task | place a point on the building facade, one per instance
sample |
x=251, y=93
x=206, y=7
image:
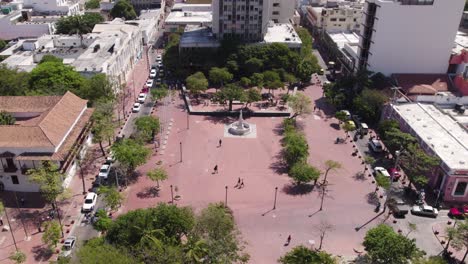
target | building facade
x=248, y=19
x=406, y=36
x=345, y=17
x=46, y=128
x=147, y=4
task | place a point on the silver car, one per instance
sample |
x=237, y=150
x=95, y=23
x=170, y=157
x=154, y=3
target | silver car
x=68, y=246
x=424, y=210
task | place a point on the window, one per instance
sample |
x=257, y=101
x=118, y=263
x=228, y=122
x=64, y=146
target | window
x=275, y=4
x=332, y=19
x=460, y=189
x=229, y=17
x=14, y=179
x=342, y=19
x=275, y=13
x=355, y=19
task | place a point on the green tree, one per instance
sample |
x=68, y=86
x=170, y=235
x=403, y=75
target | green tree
x=219, y=76
x=49, y=179
x=216, y=226
x=98, y=87
x=123, y=9
x=295, y=149
x=78, y=24
x=92, y=4
x=257, y=80
x=195, y=250
x=230, y=93
x=272, y=80
x=245, y=82
x=387, y=125
x=301, y=254
x=130, y=154
x=55, y=78
x=6, y=119
x=18, y=257
x=368, y=105
x=417, y=164
x=51, y=234
x=97, y=251
x=13, y=81
x=232, y=66
x=104, y=221
x=157, y=174
x=302, y=172
x=305, y=69
x=300, y=104
x=395, y=140
x=50, y=58
x=103, y=125
x=382, y=181
x=341, y=115
x=3, y=44
x=331, y=165
x=253, y=95
x=147, y=126
x=253, y=65
x=197, y=83
x=112, y=197
x=430, y=260
x=159, y=93
x=385, y=246
x=289, y=79
x=459, y=237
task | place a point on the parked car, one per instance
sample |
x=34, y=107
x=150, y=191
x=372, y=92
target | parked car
x=104, y=171
x=141, y=98
x=321, y=72
x=394, y=173
x=96, y=185
x=458, y=212
x=158, y=80
x=161, y=72
x=149, y=83
x=424, y=210
x=109, y=158
x=68, y=246
x=159, y=57
x=398, y=207
x=375, y=145
x=153, y=73
x=351, y=124
x=347, y=113
x=89, y=202
x=136, y=107
x=382, y=171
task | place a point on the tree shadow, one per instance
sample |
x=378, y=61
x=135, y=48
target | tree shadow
x=148, y=192
x=133, y=177
x=279, y=166
x=41, y=253
x=295, y=190
x=220, y=120
x=360, y=176
x=325, y=106
x=336, y=126
x=372, y=198
x=278, y=129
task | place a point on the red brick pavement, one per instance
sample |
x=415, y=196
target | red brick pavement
x=345, y=206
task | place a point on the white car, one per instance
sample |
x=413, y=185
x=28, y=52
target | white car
x=159, y=57
x=375, y=145
x=141, y=98
x=381, y=171
x=136, y=107
x=89, y=202
x=104, y=171
x=68, y=246
x=149, y=83
x=424, y=210
x=152, y=73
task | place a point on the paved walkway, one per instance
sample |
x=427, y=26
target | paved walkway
x=255, y=160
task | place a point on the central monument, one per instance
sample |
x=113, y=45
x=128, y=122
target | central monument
x=240, y=127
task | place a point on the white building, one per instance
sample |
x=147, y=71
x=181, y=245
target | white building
x=149, y=22
x=20, y=24
x=112, y=49
x=181, y=7
x=408, y=36
x=249, y=19
x=147, y=4
x=343, y=16
x=177, y=20
x=54, y=7
x=47, y=128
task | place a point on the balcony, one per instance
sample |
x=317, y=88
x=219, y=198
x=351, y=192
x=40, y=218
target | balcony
x=24, y=169
x=10, y=168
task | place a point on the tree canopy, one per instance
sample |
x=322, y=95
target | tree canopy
x=300, y=104
x=197, y=83
x=147, y=126
x=55, y=78
x=368, y=105
x=383, y=245
x=78, y=24
x=97, y=251
x=92, y=4
x=302, y=172
x=6, y=119
x=230, y=93
x=130, y=154
x=123, y=9
x=302, y=254
x=220, y=76
x=49, y=180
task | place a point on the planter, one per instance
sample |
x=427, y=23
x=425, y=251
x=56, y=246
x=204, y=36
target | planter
x=394, y=221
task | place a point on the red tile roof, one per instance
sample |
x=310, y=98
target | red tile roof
x=418, y=84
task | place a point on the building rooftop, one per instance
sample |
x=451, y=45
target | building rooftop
x=191, y=7
x=461, y=42
x=282, y=33
x=343, y=38
x=198, y=36
x=422, y=84
x=149, y=13
x=444, y=135
x=45, y=120
x=180, y=17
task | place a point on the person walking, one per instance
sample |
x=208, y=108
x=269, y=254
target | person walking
x=220, y=143
x=238, y=182
x=215, y=170
x=289, y=240
x=242, y=184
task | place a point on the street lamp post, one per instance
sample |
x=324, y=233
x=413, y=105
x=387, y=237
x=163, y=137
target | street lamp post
x=172, y=195
x=225, y=199
x=274, y=204
x=397, y=158
x=180, y=146
x=21, y=215
x=11, y=230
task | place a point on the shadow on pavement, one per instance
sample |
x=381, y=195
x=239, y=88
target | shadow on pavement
x=368, y=222
x=359, y=176
x=372, y=198
x=335, y=126
x=41, y=253
x=279, y=166
x=294, y=189
x=221, y=120
x=148, y=192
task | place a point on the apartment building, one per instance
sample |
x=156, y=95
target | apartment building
x=248, y=19
x=336, y=17
x=408, y=36
x=46, y=128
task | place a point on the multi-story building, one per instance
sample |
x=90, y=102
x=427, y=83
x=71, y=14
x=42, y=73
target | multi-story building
x=248, y=19
x=147, y=4
x=408, y=36
x=336, y=17
x=20, y=24
x=46, y=128
x=54, y=7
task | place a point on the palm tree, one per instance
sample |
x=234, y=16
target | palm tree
x=330, y=165
x=151, y=238
x=158, y=174
x=195, y=250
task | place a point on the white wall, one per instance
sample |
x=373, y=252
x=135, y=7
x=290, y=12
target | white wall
x=285, y=10
x=414, y=38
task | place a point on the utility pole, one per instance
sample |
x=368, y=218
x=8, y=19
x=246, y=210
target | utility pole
x=172, y=195
x=225, y=199
x=274, y=204
x=180, y=151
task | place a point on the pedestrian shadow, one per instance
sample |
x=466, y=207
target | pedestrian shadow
x=295, y=189
x=360, y=176
x=41, y=253
x=148, y=192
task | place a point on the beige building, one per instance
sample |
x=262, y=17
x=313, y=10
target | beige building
x=337, y=17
